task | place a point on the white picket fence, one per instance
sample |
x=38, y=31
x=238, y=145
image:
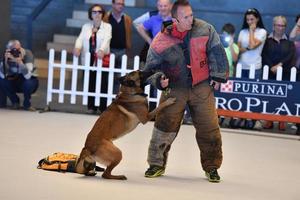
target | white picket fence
x=86, y=68
x=265, y=73
x=75, y=68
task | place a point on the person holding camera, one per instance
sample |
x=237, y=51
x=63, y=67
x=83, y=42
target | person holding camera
x=18, y=74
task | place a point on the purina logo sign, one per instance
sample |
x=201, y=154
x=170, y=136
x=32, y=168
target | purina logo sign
x=266, y=97
x=256, y=88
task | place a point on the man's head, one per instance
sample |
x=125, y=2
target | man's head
x=164, y=7
x=14, y=48
x=229, y=29
x=182, y=15
x=279, y=25
x=118, y=6
x=11, y=44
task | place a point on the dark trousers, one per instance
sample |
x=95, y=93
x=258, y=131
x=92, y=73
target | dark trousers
x=92, y=87
x=201, y=102
x=19, y=85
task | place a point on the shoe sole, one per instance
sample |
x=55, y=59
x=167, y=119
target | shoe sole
x=157, y=174
x=212, y=180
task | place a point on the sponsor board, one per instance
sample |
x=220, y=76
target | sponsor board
x=281, y=98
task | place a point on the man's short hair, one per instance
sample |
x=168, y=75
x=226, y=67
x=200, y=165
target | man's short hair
x=177, y=4
x=228, y=28
x=12, y=43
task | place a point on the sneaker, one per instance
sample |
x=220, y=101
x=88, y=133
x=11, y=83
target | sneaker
x=249, y=124
x=32, y=109
x=154, y=171
x=15, y=106
x=258, y=125
x=268, y=125
x=213, y=176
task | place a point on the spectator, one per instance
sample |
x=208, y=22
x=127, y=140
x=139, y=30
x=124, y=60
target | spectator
x=251, y=41
x=278, y=52
x=138, y=21
x=121, y=25
x=231, y=48
x=232, y=53
x=295, y=36
x=94, y=38
x=194, y=64
x=154, y=26
x=18, y=74
x=120, y=44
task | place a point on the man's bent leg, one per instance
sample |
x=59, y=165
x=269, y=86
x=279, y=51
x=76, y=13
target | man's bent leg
x=167, y=125
x=29, y=86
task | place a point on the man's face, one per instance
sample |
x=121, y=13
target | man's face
x=279, y=27
x=118, y=6
x=17, y=45
x=184, y=18
x=164, y=7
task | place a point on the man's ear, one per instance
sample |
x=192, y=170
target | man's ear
x=175, y=20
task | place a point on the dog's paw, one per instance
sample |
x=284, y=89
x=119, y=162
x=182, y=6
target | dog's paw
x=170, y=100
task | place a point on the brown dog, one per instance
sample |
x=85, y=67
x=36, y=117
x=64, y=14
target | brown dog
x=122, y=116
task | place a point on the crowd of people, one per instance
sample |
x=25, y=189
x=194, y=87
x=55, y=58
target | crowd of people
x=192, y=58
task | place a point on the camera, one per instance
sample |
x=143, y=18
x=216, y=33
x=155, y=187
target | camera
x=15, y=52
x=225, y=39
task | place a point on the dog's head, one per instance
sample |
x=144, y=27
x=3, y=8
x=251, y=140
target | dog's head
x=136, y=79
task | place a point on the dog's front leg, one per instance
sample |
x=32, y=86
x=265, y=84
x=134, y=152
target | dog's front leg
x=161, y=106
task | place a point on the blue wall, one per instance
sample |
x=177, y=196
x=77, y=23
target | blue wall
x=217, y=12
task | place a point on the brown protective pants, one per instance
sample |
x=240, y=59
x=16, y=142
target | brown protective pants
x=201, y=102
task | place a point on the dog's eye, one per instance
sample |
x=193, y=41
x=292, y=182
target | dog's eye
x=131, y=83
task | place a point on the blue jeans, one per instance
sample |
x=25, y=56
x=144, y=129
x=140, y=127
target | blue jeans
x=3, y=98
x=20, y=84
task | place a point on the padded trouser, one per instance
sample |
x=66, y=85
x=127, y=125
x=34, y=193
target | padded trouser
x=201, y=102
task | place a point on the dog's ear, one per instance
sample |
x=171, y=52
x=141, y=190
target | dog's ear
x=145, y=74
x=121, y=79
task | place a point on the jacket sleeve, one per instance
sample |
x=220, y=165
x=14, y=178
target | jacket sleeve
x=266, y=60
x=28, y=67
x=217, y=59
x=79, y=40
x=153, y=63
x=106, y=39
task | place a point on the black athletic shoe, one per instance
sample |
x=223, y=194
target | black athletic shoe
x=154, y=171
x=213, y=176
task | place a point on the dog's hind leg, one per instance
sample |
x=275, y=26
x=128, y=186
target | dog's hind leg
x=109, y=155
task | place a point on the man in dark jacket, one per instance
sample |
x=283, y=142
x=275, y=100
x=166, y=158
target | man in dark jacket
x=192, y=62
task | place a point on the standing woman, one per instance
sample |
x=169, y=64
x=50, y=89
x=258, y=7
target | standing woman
x=251, y=42
x=95, y=38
